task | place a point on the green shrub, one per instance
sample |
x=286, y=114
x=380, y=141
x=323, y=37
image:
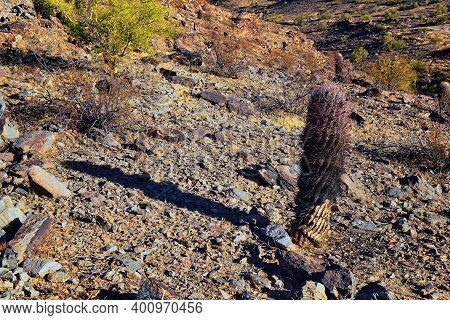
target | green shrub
x=392, y=72
x=112, y=27
x=359, y=54
x=390, y=42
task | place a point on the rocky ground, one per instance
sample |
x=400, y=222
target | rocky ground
x=197, y=191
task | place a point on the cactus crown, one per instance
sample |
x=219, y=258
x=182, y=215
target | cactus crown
x=325, y=144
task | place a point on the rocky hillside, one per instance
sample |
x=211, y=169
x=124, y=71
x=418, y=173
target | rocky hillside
x=193, y=190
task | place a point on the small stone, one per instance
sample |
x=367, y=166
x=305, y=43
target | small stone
x=47, y=184
x=422, y=187
x=300, y=267
x=355, y=188
x=312, y=291
x=277, y=233
x=40, y=267
x=374, y=291
x=31, y=235
x=10, y=215
x=9, y=260
x=214, y=97
x=152, y=289
x=241, y=194
x=396, y=192
x=34, y=142
x=364, y=225
x=58, y=277
x=340, y=280
x=130, y=264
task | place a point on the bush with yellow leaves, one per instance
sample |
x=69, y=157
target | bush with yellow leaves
x=392, y=72
x=112, y=27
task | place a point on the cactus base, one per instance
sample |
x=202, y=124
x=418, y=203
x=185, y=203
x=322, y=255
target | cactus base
x=315, y=227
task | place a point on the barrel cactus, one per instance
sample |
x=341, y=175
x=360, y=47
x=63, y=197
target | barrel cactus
x=325, y=143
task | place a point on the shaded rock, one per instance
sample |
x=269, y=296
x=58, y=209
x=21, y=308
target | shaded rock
x=311, y=291
x=374, y=291
x=396, y=192
x=152, y=289
x=175, y=136
x=268, y=177
x=8, y=130
x=246, y=156
x=2, y=105
x=300, y=267
x=33, y=142
x=40, y=267
x=10, y=215
x=184, y=81
x=422, y=187
x=31, y=235
x=278, y=235
x=357, y=118
x=240, y=107
x=46, y=183
x=339, y=281
x=9, y=260
x=214, y=97
x=355, y=188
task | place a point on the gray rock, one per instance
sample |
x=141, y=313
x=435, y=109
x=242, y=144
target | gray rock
x=241, y=194
x=364, y=225
x=10, y=214
x=311, y=291
x=396, y=192
x=374, y=291
x=130, y=264
x=9, y=260
x=40, y=267
x=277, y=233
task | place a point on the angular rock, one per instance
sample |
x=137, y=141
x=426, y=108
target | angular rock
x=31, y=235
x=2, y=105
x=312, y=291
x=355, y=188
x=214, y=97
x=278, y=235
x=339, y=281
x=300, y=267
x=130, y=264
x=240, y=107
x=8, y=130
x=40, y=267
x=152, y=289
x=34, y=142
x=47, y=184
x=374, y=291
x=58, y=277
x=422, y=187
x=10, y=215
x=8, y=260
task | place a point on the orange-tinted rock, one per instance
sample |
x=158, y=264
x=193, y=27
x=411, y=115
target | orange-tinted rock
x=46, y=183
x=31, y=235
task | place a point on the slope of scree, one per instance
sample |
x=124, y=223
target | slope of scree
x=181, y=192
